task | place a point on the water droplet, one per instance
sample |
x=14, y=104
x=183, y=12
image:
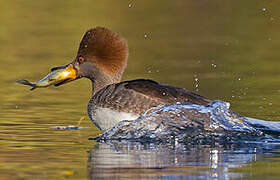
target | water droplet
x=239, y=79
x=214, y=65
x=196, y=83
x=129, y=5
x=270, y=104
x=145, y=35
x=86, y=45
x=263, y=9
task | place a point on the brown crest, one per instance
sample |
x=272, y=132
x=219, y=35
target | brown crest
x=106, y=49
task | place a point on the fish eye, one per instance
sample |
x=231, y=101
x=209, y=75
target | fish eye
x=81, y=60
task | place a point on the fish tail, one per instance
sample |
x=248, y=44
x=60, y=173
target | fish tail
x=25, y=82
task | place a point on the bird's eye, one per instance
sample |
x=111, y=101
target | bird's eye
x=81, y=60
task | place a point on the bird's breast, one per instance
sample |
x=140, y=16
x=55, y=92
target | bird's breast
x=106, y=118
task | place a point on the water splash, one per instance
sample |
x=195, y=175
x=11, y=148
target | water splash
x=192, y=123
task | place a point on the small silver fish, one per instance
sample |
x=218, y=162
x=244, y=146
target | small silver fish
x=55, y=77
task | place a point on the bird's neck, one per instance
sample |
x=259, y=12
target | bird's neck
x=100, y=80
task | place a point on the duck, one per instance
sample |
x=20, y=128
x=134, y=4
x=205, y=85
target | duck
x=102, y=58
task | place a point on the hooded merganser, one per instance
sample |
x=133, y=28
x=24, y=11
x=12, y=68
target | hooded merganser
x=102, y=58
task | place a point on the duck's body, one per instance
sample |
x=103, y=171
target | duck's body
x=129, y=99
x=102, y=58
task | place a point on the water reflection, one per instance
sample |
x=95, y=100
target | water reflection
x=133, y=160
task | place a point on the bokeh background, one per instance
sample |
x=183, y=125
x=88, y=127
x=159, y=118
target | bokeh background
x=226, y=50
